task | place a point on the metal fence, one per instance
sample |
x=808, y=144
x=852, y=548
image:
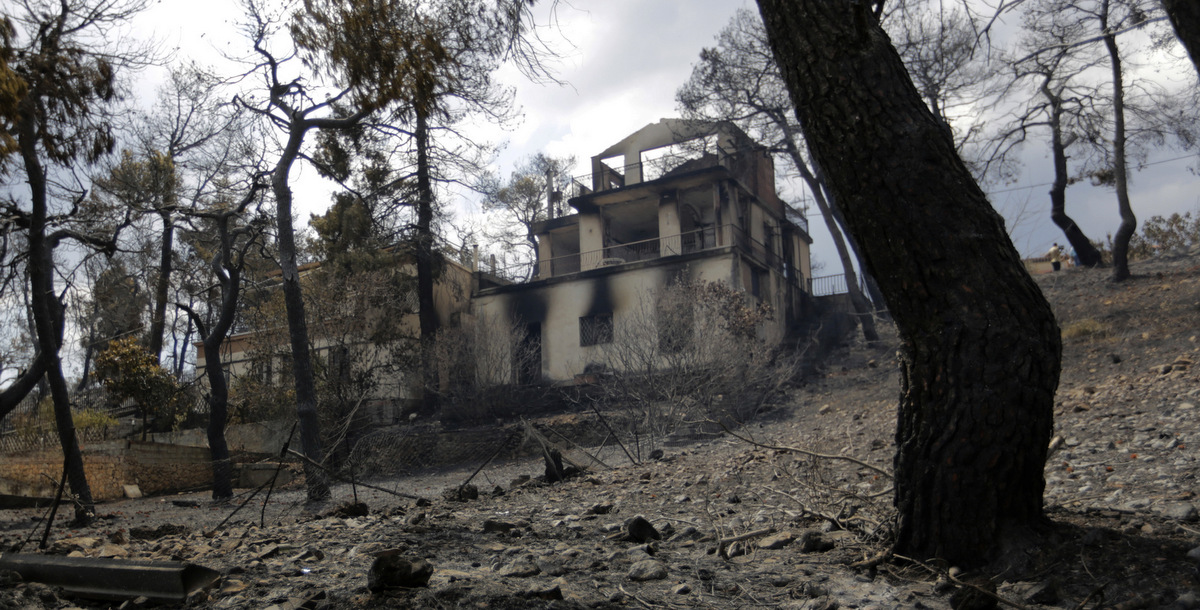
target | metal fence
x=828, y=285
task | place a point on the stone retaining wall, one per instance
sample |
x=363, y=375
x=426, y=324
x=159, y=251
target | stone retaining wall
x=155, y=468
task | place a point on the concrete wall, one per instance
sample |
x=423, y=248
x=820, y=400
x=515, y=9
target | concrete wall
x=257, y=437
x=153, y=467
x=558, y=305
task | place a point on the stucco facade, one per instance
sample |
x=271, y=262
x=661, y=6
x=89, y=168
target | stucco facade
x=710, y=214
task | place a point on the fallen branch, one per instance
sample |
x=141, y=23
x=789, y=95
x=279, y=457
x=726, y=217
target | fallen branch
x=614, y=434
x=262, y=515
x=491, y=457
x=344, y=480
x=747, y=536
x=822, y=456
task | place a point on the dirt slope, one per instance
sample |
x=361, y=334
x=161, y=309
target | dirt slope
x=742, y=526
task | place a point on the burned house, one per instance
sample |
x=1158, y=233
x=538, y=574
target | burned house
x=676, y=199
x=345, y=336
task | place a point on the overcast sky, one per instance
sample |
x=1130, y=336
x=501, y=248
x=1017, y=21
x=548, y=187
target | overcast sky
x=623, y=61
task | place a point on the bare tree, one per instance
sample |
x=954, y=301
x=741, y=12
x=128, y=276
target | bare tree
x=233, y=240
x=738, y=81
x=60, y=115
x=1058, y=98
x=980, y=348
x=939, y=46
x=537, y=184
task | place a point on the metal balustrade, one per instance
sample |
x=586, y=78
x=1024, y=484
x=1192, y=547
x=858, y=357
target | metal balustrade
x=648, y=249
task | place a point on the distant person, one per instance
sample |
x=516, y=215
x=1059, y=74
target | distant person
x=1055, y=255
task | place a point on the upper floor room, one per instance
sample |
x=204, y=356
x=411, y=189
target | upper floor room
x=672, y=188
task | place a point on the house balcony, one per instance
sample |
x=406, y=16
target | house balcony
x=620, y=254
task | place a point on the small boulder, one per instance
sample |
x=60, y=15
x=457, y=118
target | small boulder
x=646, y=570
x=464, y=493
x=639, y=529
x=1180, y=511
x=776, y=541
x=523, y=567
x=391, y=570
x=811, y=541
x=552, y=592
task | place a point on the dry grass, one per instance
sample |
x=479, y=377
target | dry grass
x=1086, y=329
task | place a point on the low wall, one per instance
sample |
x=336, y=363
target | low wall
x=258, y=437
x=154, y=467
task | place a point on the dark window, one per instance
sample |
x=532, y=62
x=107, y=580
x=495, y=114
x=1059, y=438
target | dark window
x=260, y=370
x=597, y=329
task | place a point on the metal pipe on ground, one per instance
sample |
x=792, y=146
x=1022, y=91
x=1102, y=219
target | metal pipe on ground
x=98, y=578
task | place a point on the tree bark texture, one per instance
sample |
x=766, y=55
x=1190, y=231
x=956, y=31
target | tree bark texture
x=12, y=396
x=1088, y=255
x=1185, y=16
x=427, y=315
x=980, y=347
x=293, y=299
x=48, y=314
x=158, y=318
x=1120, y=247
x=214, y=370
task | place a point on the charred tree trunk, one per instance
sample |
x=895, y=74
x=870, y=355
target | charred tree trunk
x=1088, y=255
x=158, y=317
x=48, y=314
x=878, y=303
x=12, y=396
x=293, y=299
x=89, y=349
x=427, y=314
x=229, y=276
x=181, y=350
x=218, y=397
x=1124, y=233
x=981, y=351
x=1185, y=16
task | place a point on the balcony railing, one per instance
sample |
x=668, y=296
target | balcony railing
x=827, y=285
x=643, y=250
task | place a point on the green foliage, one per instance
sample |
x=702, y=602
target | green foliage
x=93, y=419
x=129, y=372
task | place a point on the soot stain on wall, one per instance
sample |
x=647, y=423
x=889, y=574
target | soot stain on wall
x=528, y=307
x=602, y=296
